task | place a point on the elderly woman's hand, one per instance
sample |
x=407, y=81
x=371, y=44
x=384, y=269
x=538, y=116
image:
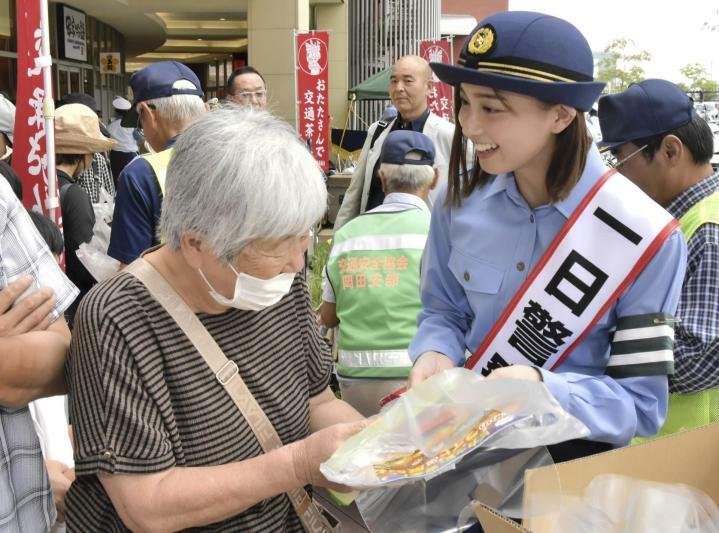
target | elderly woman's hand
x=309, y=453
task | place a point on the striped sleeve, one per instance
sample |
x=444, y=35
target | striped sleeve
x=642, y=345
x=118, y=426
x=319, y=355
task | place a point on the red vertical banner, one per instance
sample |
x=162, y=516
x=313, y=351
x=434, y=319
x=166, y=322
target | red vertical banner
x=440, y=98
x=313, y=119
x=29, y=157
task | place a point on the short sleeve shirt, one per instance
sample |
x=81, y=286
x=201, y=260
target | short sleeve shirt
x=26, y=502
x=143, y=400
x=138, y=206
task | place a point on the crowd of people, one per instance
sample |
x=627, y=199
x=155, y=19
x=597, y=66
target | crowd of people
x=196, y=379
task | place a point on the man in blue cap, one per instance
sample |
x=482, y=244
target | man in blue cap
x=167, y=98
x=665, y=147
x=371, y=288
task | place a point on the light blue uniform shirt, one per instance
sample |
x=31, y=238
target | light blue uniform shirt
x=476, y=258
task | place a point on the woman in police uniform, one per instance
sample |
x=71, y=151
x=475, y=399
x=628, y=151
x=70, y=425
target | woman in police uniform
x=539, y=261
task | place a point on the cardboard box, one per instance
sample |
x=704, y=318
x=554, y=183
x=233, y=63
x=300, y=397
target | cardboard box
x=690, y=458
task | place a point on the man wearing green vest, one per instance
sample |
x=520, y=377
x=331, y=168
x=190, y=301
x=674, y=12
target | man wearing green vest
x=167, y=98
x=664, y=147
x=372, y=276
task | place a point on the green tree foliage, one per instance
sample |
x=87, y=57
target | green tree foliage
x=697, y=79
x=619, y=67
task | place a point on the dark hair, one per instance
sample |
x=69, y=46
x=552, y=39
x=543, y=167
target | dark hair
x=48, y=231
x=696, y=135
x=79, y=98
x=565, y=168
x=12, y=178
x=239, y=72
x=67, y=159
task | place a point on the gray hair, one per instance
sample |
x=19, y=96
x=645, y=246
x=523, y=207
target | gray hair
x=407, y=177
x=179, y=109
x=237, y=175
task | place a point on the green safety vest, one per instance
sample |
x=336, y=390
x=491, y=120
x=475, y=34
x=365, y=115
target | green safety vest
x=694, y=409
x=159, y=162
x=374, y=271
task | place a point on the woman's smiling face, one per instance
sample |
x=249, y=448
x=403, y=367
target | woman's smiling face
x=510, y=131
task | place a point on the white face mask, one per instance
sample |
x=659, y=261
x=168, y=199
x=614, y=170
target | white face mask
x=254, y=294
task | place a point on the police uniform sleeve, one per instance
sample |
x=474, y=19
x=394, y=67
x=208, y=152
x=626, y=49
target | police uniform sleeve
x=134, y=219
x=446, y=313
x=615, y=408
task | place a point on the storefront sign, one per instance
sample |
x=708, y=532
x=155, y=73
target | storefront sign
x=72, y=33
x=440, y=98
x=313, y=121
x=110, y=63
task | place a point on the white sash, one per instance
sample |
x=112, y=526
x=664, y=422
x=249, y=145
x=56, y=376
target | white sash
x=602, y=248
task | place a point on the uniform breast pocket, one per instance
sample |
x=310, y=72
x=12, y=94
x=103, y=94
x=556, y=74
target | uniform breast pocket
x=480, y=280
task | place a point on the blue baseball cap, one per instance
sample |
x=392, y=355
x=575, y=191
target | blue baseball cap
x=645, y=109
x=156, y=81
x=401, y=142
x=527, y=53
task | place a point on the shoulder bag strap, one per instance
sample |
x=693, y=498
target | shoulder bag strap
x=381, y=126
x=228, y=376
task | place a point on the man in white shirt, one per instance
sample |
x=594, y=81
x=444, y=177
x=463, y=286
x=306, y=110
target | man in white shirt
x=410, y=83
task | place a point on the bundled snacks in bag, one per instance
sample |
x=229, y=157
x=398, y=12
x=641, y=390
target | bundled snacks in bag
x=429, y=429
x=417, y=464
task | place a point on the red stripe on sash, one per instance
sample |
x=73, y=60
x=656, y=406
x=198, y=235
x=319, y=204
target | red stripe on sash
x=647, y=256
x=472, y=361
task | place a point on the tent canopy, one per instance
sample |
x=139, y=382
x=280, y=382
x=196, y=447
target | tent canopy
x=376, y=87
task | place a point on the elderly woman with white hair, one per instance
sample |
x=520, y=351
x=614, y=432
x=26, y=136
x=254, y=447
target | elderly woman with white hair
x=198, y=378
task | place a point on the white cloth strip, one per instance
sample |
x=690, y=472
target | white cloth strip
x=414, y=241
x=650, y=332
x=641, y=358
x=374, y=358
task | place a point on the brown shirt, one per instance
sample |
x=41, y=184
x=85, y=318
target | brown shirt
x=142, y=400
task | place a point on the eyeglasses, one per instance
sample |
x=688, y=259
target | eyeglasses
x=246, y=95
x=612, y=161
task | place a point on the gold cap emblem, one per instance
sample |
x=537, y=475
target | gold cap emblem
x=482, y=41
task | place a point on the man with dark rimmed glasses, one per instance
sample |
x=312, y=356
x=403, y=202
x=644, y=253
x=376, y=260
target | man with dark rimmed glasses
x=246, y=87
x=663, y=146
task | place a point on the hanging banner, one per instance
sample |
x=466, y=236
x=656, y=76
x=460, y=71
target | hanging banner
x=29, y=157
x=311, y=81
x=440, y=98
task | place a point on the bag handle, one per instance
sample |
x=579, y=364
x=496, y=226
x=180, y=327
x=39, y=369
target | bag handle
x=228, y=375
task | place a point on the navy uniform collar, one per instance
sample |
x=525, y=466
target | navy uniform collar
x=171, y=142
x=594, y=169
